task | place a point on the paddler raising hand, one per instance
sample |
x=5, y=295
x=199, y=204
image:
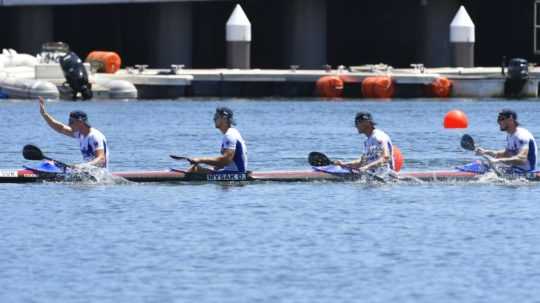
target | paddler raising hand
x=92, y=142
x=378, y=150
x=233, y=156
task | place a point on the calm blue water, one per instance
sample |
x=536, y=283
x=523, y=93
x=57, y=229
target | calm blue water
x=269, y=242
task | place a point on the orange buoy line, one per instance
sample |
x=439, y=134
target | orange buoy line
x=330, y=87
x=108, y=62
x=378, y=87
x=455, y=119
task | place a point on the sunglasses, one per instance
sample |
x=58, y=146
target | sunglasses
x=501, y=118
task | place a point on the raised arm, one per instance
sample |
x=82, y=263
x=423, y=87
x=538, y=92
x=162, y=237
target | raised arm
x=53, y=123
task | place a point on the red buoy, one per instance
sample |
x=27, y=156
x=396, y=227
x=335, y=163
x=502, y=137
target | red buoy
x=330, y=87
x=455, y=119
x=398, y=158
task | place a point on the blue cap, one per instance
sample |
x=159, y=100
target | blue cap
x=79, y=115
x=363, y=116
x=507, y=113
x=225, y=112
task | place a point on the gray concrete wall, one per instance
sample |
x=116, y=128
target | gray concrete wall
x=305, y=33
x=436, y=16
x=33, y=26
x=170, y=34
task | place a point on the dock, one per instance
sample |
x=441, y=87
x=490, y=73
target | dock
x=476, y=82
x=177, y=82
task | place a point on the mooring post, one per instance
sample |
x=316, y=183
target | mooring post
x=238, y=37
x=462, y=39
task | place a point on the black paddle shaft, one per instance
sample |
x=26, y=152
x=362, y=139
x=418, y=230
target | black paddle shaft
x=182, y=158
x=467, y=142
x=320, y=159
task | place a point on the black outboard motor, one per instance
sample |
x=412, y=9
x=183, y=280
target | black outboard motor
x=76, y=76
x=517, y=76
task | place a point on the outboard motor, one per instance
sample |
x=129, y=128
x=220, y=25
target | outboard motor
x=517, y=76
x=76, y=75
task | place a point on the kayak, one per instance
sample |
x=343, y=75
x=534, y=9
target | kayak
x=174, y=175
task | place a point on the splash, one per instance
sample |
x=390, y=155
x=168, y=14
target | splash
x=92, y=175
x=506, y=179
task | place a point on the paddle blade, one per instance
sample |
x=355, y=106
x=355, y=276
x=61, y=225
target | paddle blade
x=467, y=142
x=31, y=152
x=318, y=159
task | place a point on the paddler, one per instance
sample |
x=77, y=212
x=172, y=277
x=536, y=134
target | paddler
x=521, y=149
x=92, y=142
x=378, y=150
x=233, y=156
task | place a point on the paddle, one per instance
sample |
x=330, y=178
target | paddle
x=320, y=159
x=467, y=143
x=32, y=152
x=182, y=158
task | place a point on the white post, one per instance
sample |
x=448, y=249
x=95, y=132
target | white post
x=462, y=39
x=238, y=38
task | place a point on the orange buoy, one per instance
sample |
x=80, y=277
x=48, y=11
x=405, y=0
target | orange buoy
x=455, y=119
x=440, y=87
x=398, y=158
x=384, y=87
x=107, y=62
x=330, y=87
x=367, y=87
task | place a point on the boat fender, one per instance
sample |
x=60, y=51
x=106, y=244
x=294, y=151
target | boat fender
x=329, y=87
x=104, y=61
x=378, y=87
x=439, y=88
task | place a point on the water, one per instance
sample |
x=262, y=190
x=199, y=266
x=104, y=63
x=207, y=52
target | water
x=267, y=242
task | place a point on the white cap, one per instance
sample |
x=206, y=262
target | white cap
x=238, y=26
x=462, y=27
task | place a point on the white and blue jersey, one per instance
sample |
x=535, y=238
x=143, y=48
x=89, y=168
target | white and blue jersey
x=233, y=140
x=520, y=139
x=95, y=140
x=373, y=147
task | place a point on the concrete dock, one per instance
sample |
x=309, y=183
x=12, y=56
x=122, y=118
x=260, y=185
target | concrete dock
x=350, y=82
x=477, y=82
